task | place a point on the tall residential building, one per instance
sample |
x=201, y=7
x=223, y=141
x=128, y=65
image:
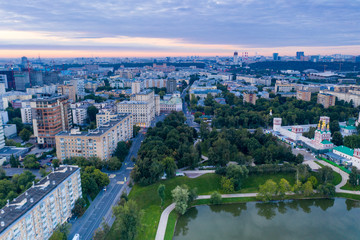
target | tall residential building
x=143, y=106
x=10, y=78
x=326, y=100
x=22, y=81
x=171, y=85
x=3, y=79
x=38, y=211
x=100, y=142
x=51, y=115
x=2, y=135
x=135, y=87
x=79, y=112
x=26, y=112
x=300, y=55
x=275, y=56
x=158, y=83
x=24, y=62
x=303, y=95
x=2, y=88
x=79, y=86
x=36, y=78
x=236, y=58
x=250, y=98
x=69, y=90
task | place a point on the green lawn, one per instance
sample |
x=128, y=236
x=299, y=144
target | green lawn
x=147, y=197
x=337, y=177
x=350, y=187
x=170, y=227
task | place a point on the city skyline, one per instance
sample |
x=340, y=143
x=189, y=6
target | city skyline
x=178, y=28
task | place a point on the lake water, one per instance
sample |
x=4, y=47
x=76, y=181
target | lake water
x=328, y=219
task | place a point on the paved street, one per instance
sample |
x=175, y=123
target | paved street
x=102, y=205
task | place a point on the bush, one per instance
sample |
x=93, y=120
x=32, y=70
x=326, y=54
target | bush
x=215, y=198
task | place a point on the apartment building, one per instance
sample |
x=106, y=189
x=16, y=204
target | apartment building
x=303, y=95
x=144, y=106
x=104, y=117
x=79, y=112
x=51, y=115
x=38, y=211
x=100, y=142
x=69, y=90
x=26, y=113
x=250, y=98
x=326, y=100
x=172, y=104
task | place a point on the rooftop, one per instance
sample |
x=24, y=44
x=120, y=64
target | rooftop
x=345, y=150
x=24, y=202
x=96, y=132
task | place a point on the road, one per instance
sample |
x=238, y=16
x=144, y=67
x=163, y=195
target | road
x=101, y=207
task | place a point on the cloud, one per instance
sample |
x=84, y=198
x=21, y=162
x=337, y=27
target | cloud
x=237, y=23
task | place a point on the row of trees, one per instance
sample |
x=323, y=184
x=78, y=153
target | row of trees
x=167, y=146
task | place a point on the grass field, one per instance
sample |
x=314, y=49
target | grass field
x=348, y=196
x=337, y=177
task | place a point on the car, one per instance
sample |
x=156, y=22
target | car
x=76, y=237
x=104, y=189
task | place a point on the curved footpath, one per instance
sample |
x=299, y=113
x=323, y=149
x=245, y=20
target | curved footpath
x=160, y=233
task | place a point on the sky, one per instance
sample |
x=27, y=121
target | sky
x=158, y=28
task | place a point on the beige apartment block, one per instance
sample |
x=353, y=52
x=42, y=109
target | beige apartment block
x=100, y=142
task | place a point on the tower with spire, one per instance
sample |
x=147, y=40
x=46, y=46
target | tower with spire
x=322, y=136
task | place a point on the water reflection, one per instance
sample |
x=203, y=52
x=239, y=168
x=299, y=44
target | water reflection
x=282, y=220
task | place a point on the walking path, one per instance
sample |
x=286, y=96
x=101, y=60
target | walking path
x=160, y=234
x=344, y=179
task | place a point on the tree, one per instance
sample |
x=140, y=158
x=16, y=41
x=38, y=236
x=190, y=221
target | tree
x=114, y=164
x=101, y=232
x=161, y=192
x=55, y=163
x=352, y=141
x=308, y=188
x=31, y=162
x=267, y=190
x=313, y=181
x=237, y=173
x=284, y=187
x=310, y=133
x=25, y=134
x=180, y=196
x=337, y=139
x=14, y=162
x=61, y=232
x=2, y=173
x=302, y=172
x=297, y=187
x=79, y=208
x=215, y=198
x=121, y=151
x=91, y=112
x=326, y=174
x=219, y=153
x=334, y=126
x=354, y=176
x=327, y=189
x=227, y=185
x=43, y=172
x=169, y=167
x=128, y=221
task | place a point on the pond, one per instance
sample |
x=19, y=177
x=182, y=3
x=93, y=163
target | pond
x=329, y=219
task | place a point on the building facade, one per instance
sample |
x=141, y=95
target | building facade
x=26, y=112
x=250, y=98
x=69, y=90
x=303, y=95
x=100, y=142
x=326, y=100
x=38, y=211
x=51, y=115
